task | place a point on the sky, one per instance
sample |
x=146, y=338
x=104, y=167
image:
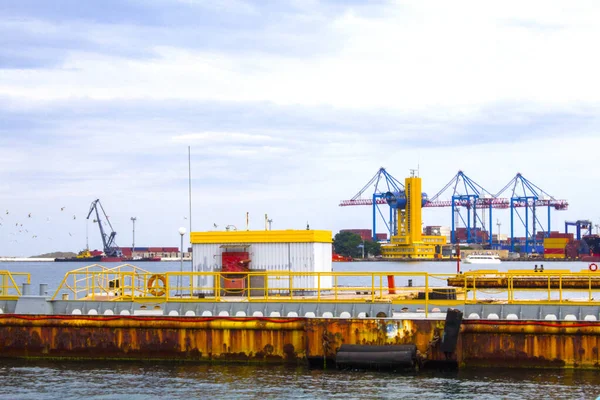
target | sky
x=287, y=108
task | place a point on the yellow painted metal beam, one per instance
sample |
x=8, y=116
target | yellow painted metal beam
x=243, y=237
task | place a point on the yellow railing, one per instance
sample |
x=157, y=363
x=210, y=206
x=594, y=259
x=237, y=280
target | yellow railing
x=9, y=287
x=128, y=283
x=96, y=282
x=556, y=285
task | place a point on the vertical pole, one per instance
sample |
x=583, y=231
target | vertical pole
x=452, y=239
x=391, y=225
x=527, y=226
x=190, y=184
x=180, y=277
x=374, y=217
x=490, y=233
x=468, y=221
x=133, y=219
x=548, y=233
x=512, y=225
x=533, y=229
x=458, y=259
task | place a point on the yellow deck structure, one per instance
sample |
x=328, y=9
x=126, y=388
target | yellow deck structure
x=409, y=242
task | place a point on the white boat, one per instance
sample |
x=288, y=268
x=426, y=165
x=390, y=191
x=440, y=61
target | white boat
x=487, y=258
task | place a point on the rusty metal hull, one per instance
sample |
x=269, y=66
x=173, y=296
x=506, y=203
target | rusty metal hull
x=247, y=339
x=530, y=344
x=499, y=343
x=190, y=339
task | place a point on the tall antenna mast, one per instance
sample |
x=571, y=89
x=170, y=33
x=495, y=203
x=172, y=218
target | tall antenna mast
x=190, y=184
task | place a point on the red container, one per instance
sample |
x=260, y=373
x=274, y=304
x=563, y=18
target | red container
x=170, y=249
x=382, y=236
x=554, y=251
x=365, y=234
x=155, y=249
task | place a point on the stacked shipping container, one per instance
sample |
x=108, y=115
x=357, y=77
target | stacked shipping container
x=555, y=246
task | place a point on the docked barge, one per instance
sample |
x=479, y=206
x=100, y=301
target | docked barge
x=238, y=304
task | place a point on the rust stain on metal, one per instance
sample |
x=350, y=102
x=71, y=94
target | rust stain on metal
x=325, y=336
x=535, y=344
x=295, y=340
x=200, y=339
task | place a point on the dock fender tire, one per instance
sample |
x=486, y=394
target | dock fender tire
x=593, y=267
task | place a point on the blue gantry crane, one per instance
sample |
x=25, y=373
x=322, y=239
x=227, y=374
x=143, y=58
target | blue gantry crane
x=525, y=194
x=582, y=224
x=387, y=191
x=467, y=194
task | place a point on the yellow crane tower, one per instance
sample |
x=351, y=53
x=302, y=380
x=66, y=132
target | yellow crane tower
x=409, y=241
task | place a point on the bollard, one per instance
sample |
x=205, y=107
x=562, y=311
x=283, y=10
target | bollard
x=26, y=289
x=43, y=289
x=65, y=296
x=391, y=284
x=535, y=269
x=410, y=283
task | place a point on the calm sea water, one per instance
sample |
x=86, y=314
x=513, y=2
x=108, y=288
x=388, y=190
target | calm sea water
x=93, y=380
x=39, y=379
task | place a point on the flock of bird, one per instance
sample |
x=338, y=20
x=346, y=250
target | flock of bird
x=24, y=227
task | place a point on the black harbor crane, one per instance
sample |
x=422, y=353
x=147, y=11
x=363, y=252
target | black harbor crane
x=108, y=241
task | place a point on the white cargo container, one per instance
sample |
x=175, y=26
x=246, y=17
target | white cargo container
x=289, y=251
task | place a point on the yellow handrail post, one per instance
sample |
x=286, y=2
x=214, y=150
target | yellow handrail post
x=560, y=293
x=549, y=294
x=319, y=286
x=93, y=286
x=335, y=291
x=248, y=275
x=266, y=285
x=426, y=295
x=372, y=287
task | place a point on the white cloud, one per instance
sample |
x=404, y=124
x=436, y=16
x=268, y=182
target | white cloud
x=416, y=57
x=476, y=86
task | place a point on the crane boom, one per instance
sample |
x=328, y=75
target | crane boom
x=108, y=241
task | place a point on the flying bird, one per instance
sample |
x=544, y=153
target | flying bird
x=34, y=236
x=6, y=212
x=62, y=208
x=70, y=234
x=74, y=217
x=29, y=216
